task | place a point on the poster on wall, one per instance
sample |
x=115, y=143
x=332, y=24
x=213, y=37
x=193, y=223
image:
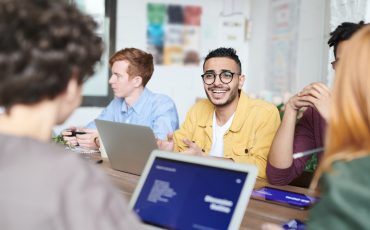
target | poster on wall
x=282, y=42
x=155, y=30
x=173, y=33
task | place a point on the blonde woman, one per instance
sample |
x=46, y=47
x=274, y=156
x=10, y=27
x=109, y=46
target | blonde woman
x=343, y=173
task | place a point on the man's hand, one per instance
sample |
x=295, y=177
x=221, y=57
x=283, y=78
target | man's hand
x=67, y=136
x=315, y=95
x=193, y=149
x=87, y=140
x=166, y=145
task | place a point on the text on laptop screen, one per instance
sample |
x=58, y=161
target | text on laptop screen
x=180, y=195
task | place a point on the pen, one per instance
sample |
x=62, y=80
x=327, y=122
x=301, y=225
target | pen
x=74, y=132
x=308, y=152
x=99, y=161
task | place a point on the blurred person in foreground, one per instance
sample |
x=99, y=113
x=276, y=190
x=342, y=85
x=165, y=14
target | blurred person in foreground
x=344, y=182
x=47, y=50
x=309, y=132
x=342, y=176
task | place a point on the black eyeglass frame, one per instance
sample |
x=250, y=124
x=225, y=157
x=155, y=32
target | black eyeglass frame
x=334, y=63
x=219, y=75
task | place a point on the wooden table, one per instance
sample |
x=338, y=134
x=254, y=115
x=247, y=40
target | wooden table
x=257, y=213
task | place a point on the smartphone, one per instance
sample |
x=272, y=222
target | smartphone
x=283, y=197
x=74, y=133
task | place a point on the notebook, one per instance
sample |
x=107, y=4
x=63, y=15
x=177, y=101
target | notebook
x=178, y=191
x=127, y=146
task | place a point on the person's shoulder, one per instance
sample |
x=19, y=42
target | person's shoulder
x=56, y=154
x=40, y=160
x=348, y=173
x=30, y=148
x=114, y=104
x=162, y=98
x=71, y=168
x=158, y=97
x=116, y=101
x=344, y=188
x=355, y=167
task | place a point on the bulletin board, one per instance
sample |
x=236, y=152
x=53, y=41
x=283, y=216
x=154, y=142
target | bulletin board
x=173, y=33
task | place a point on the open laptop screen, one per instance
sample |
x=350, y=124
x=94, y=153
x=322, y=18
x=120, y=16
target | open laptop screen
x=183, y=195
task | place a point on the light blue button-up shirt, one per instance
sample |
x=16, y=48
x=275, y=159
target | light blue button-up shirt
x=156, y=111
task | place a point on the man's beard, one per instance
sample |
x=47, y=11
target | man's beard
x=233, y=94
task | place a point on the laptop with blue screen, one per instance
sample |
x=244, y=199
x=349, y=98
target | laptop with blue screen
x=178, y=191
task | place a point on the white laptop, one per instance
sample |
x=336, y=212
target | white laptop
x=178, y=191
x=127, y=146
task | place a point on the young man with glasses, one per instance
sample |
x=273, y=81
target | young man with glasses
x=309, y=132
x=229, y=124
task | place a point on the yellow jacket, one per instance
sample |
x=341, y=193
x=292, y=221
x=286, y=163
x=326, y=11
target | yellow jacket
x=247, y=141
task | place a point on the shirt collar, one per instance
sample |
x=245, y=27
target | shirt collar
x=139, y=105
x=241, y=112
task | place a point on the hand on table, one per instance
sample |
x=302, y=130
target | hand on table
x=88, y=140
x=68, y=137
x=166, y=145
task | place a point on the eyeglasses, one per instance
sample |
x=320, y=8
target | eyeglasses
x=225, y=77
x=334, y=63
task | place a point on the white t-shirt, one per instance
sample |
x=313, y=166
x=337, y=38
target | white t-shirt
x=217, y=149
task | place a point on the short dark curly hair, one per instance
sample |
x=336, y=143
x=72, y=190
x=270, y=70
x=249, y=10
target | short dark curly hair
x=224, y=52
x=43, y=44
x=343, y=32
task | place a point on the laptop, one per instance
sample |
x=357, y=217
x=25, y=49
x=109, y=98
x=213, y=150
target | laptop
x=178, y=191
x=127, y=146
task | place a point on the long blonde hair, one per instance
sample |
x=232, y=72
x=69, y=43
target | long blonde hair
x=348, y=133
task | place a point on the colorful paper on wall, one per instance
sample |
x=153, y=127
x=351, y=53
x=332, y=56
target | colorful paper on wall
x=173, y=33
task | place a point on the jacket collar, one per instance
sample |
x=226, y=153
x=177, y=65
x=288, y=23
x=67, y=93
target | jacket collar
x=239, y=117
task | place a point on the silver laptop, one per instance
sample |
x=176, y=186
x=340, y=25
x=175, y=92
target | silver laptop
x=128, y=146
x=178, y=191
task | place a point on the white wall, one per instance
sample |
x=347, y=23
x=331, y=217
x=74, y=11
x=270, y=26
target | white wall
x=345, y=11
x=310, y=64
x=182, y=83
x=257, y=65
x=312, y=43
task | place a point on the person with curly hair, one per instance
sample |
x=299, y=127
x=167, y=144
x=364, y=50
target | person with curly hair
x=342, y=174
x=47, y=50
x=309, y=132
